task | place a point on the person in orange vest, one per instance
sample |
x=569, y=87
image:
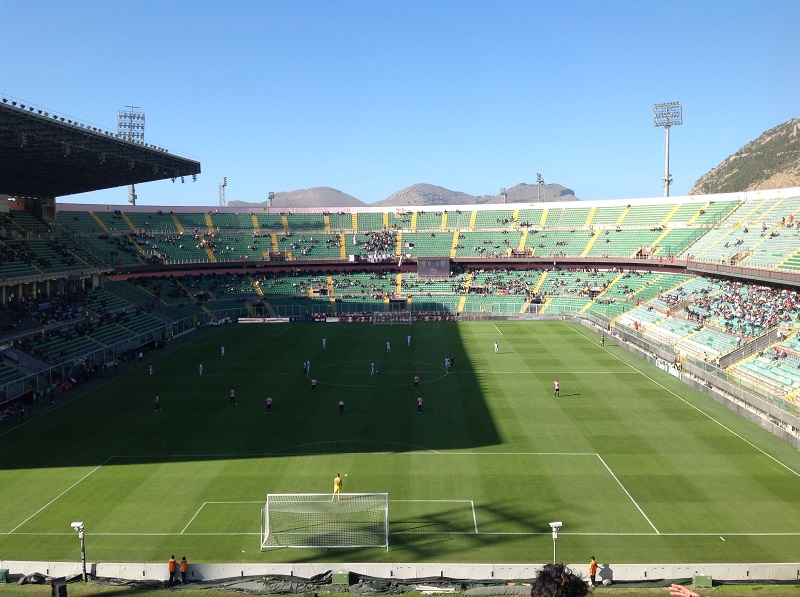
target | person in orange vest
x=184, y=569
x=592, y=570
x=172, y=566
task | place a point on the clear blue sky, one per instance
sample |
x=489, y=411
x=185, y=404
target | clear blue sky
x=370, y=97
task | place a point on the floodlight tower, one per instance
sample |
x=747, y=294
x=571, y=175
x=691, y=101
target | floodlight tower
x=130, y=127
x=222, y=200
x=540, y=182
x=504, y=195
x=667, y=115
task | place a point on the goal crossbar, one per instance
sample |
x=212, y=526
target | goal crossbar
x=324, y=520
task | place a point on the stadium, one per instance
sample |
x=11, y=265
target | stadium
x=412, y=351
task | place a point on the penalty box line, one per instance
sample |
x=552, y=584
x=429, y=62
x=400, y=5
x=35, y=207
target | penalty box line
x=630, y=497
x=608, y=468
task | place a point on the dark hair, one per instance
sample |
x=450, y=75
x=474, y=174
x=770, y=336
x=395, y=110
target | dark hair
x=556, y=580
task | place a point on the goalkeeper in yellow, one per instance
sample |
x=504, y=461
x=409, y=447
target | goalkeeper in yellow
x=337, y=487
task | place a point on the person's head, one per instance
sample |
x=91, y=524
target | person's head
x=556, y=580
x=592, y=558
x=183, y=559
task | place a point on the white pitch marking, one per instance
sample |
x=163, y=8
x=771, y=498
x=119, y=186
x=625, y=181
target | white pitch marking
x=497, y=328
x=474, y=518
x=191, y=520
x=628, y=494
x=60, y=494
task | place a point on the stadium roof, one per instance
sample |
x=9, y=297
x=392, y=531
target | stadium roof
x=46, y=155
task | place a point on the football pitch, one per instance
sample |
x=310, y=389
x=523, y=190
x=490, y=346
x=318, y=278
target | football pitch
x=639, y=467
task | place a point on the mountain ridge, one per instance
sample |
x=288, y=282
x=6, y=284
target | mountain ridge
x=420, y=194
x=771, y=161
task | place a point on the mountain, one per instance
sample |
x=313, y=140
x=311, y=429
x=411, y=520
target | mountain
x=314, y=197
x=431, y=195
x=770, y=162
x=415, y=195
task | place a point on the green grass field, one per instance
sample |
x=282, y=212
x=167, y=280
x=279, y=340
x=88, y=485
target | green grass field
x=639, y=467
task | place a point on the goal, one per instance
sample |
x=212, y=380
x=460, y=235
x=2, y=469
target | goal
x=315, y=520
x=391, y=317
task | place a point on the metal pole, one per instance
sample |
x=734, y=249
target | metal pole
x=666, y=167
x=83, y=555
x=667, y=115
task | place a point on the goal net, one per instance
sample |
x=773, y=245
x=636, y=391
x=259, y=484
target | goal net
x=315, y=520
x=391, y=317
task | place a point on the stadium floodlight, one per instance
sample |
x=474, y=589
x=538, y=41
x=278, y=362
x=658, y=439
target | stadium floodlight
x=540, y=182
x=223, y=201
x=667, y=115
x=130, y=127
x=78, y=528
x=555, y=526
x=317, y=520
x=504, y=195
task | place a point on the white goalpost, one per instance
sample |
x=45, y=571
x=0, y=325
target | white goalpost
x=316, y=520
x=391, y=317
